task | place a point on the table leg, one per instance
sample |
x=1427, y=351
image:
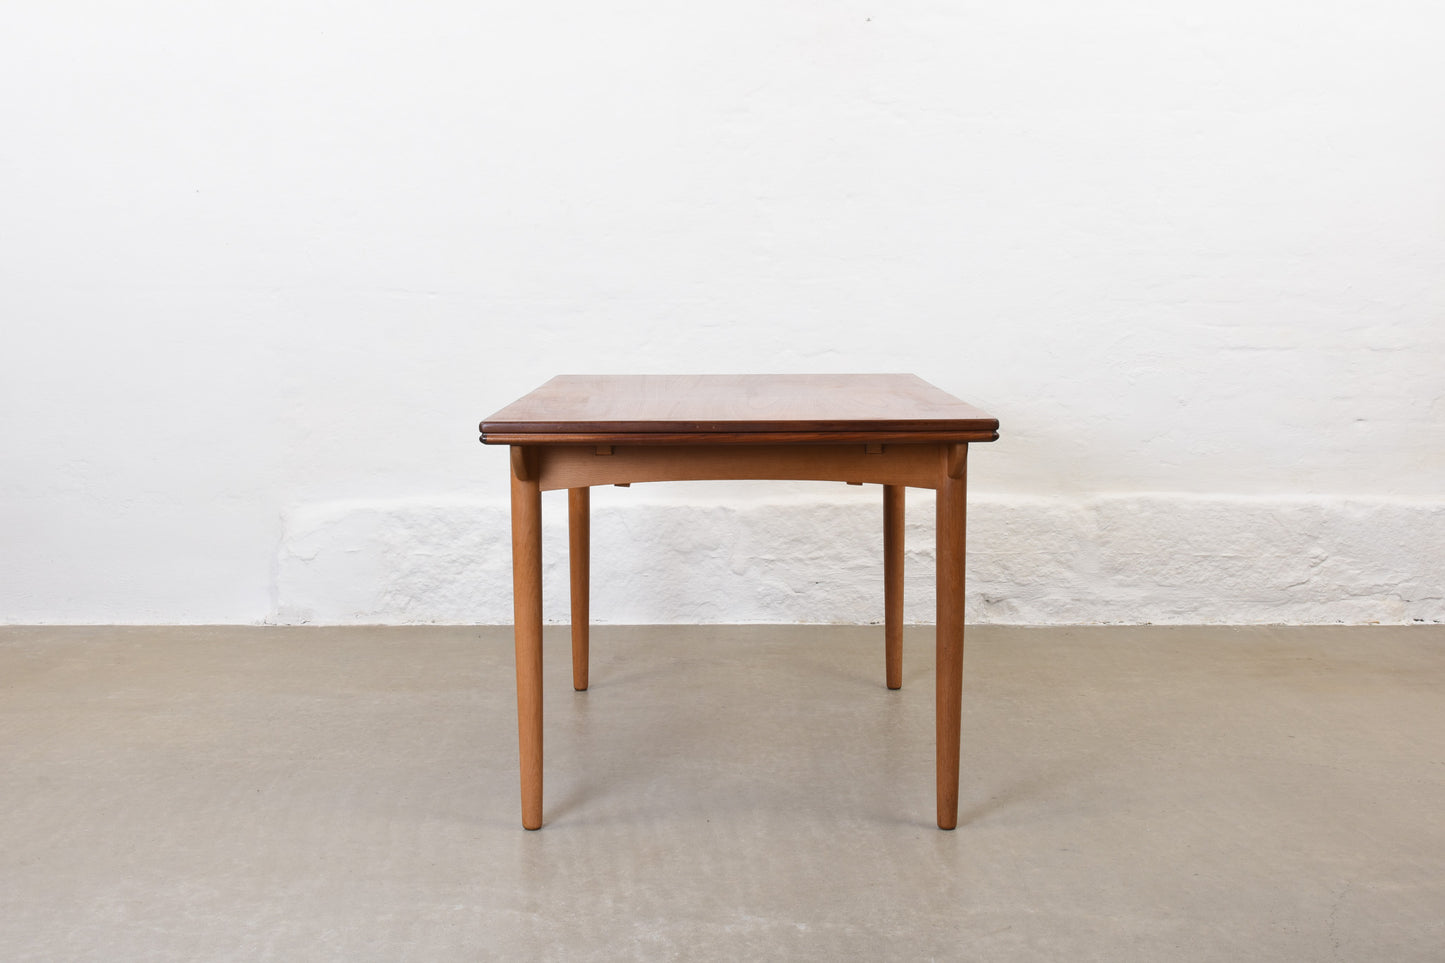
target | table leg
x=952, y=507
x=893, y=584
x=579, y=552
x=527, y=622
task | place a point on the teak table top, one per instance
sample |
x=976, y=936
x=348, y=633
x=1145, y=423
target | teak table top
x=749, y=409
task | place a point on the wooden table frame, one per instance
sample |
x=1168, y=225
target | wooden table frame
x=556, y=457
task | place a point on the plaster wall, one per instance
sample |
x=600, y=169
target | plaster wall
x=263, y=268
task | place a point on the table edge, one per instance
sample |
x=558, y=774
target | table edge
x=529, y=435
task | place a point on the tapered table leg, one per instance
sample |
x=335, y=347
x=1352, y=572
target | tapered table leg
x=952, y=507
x=893, y=584
x=527, y=621
x=579, y=542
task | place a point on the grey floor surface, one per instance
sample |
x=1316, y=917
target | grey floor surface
x=722, y=793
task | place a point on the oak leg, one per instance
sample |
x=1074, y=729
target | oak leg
x=952, y=506
x=579, y=552
x=893, y=584
x=527, y=622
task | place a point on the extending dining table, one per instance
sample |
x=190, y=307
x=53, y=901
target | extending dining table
x=894, y=430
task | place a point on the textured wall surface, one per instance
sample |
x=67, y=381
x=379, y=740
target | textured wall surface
x=264, y=266
x=1139, y=558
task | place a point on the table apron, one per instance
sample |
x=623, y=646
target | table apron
x=574, y=466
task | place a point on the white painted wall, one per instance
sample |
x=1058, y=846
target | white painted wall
x=263, y=266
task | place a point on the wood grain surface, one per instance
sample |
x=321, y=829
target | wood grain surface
x=668, y=409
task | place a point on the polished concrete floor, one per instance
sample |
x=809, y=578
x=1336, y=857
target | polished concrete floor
x=722, y=793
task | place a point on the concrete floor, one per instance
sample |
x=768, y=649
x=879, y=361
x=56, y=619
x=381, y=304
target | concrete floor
x=722, y=793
